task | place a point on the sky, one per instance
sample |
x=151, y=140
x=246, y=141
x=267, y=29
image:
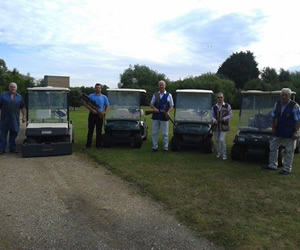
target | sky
x=96, y=40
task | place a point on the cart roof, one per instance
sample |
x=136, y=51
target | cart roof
x=49, y=88
x=202, y=91
x=259, y=92
x=127, y=90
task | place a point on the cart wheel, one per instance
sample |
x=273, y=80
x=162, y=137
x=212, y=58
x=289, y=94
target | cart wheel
x=208, y=145
x=30, y=140
x=236, y=153
x=107, y=140
x=137, y=141
x=175, y=143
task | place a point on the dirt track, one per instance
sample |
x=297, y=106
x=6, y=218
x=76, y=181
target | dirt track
x=69, y=202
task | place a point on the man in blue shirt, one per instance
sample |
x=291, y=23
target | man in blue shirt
x=285, y=127
x=10, y=105
x=96, y=116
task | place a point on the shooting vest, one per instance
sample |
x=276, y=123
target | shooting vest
x=161, y=104
x=286, y=123
x=219, y=114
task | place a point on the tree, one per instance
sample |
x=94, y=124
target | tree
x=74, y=98
x=269, y=75
x=240, y=68
x=284, y=76
x=140, y=75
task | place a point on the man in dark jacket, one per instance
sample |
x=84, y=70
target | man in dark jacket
x=285, y=127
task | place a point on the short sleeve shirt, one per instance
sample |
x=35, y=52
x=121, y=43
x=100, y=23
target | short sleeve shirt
x=101, y=100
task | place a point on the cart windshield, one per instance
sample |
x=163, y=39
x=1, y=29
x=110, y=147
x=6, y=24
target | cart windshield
x=124, y=105
x=194, y=107
x=256, y=110
x=47, y=107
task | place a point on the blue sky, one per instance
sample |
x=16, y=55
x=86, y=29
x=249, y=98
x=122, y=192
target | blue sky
x=95, y=40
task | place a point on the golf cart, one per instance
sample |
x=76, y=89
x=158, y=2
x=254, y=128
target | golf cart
x=192, y=120
x=123, y=122
x=49, y=131
x=255, y=124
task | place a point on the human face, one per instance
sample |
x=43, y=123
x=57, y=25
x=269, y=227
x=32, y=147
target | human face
x=98, y=89
x=162, y=87
x=12, y=88
x=285, y=98
x=220, y=99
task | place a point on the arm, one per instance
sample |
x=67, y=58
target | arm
x=155, y=110
x=229, y=114
x=23, y=110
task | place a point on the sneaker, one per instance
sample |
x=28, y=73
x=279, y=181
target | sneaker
x=224, y=157
x=13, y=151
x=165, y=150
x=284, y=172
x=218, y=155
x=154, y=149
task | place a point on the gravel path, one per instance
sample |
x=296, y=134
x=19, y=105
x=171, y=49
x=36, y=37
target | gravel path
x=69, y=202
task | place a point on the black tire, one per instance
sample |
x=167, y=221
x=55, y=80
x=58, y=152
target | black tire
x=107, y=140
x=175, y=143
x=30, y=140
x=236, y=152
x=136, y=141
x=208, y=145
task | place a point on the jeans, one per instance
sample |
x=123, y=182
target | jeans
x=12, y=139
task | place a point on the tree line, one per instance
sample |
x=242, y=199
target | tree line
x=238, y=72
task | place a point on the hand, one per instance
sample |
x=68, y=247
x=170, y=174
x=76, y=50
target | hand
x=23, y=119
x=156, y=110
x=94, y=111
x=295, y=136
x=215, y=122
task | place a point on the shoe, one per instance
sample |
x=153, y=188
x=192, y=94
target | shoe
x=13, y=151
x=166, y=150
x=2, y=152
x=268, y=168
x=224, y=157
x=218, y=155
x=86, y=147
x=284, y=172
x=154, y=149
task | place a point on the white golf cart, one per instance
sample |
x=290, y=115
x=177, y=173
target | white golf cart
x=123, y=122
x=255, y=124
x=49, y=131
x=192, y=120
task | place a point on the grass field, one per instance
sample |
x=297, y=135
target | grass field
x=237, y=205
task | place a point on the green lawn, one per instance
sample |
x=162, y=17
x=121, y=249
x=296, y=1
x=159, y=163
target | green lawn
x=233, y=204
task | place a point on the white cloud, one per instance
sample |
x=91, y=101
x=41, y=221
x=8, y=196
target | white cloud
x=106, y=36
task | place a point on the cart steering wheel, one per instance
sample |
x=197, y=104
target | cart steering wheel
x=133, y=110
x=202, y=113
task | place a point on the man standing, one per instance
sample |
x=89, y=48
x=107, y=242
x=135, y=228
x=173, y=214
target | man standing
x=220, y=114
x=162, y=104
x=10, y=105
x=96, y=116
x=285, y=127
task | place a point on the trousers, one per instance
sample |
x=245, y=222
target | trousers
x=220, y=142
x=164, y=127
x=12, y=139
x=287, y=160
